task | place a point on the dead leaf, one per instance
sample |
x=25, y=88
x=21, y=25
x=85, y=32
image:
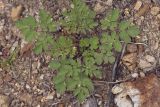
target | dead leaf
x=16, y=12
x=143, y=10
x=130, y=61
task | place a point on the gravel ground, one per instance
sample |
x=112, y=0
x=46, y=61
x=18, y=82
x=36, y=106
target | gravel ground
x=26, y=80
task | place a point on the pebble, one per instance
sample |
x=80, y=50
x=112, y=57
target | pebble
x=155, y=10
x=142, y=74
x=99, y=103
x=58, y=95
x=134, y=75
x=137, y=5
x=27, y=86
x=41, y=77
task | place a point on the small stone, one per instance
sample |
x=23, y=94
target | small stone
x=16, y=12
x=155, y=10
x=58, y=95
x=117, y=89
x=99, y=103
x=98, y=8
x=27, y=86
x=134, y=75
x=41, y=77
x=142, y=74
x=137, y=5
x=1, y=53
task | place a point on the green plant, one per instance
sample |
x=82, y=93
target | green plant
x=79, y=18
x=77, y=61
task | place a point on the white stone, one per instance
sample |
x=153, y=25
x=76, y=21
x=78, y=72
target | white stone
x=27, y=86
x=134, y=75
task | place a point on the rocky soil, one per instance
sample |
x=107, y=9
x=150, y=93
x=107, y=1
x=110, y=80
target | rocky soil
x=25, y=79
